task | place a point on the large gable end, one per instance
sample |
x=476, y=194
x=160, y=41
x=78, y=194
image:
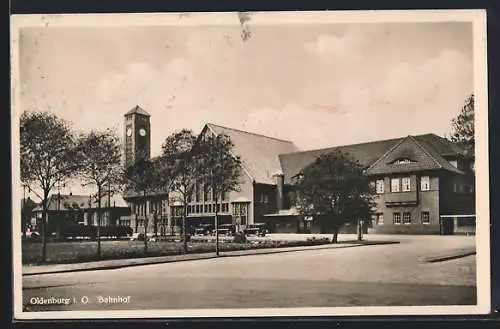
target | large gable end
x=407, y=155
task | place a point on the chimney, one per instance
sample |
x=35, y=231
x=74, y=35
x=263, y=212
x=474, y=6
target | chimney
x=279, y=179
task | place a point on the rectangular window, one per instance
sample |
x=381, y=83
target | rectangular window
x=425, y=216
x=207, y=193
x=379, y=185
x=198, y=193
x=394, y=184
x=425, y=183
x=396, y=218
x=406, y=186
x=197, y=209
x=210, y=208
x=380, y=219
x=205, y=208
x=407, y=217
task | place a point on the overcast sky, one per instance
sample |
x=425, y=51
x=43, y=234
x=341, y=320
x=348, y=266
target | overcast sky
x=317, y=85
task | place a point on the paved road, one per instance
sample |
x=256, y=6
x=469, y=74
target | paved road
x=390, y=275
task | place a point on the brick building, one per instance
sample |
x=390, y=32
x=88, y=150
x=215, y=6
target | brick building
x=69, y=209
x=418, y=179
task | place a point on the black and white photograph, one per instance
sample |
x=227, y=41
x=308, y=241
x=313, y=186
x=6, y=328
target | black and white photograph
x=240, y=164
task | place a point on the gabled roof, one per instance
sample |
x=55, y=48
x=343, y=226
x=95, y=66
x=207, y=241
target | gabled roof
x=365, y=153
x=69, y=201
x=369, y=153
x=138, y=110
x=418, y=157
x=259, y=154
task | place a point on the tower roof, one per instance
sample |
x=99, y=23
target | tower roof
x=138, y=110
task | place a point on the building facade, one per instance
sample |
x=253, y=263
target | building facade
x=68, y=210
x=418, y=179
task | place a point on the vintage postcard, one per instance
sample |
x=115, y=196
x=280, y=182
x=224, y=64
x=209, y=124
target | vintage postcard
x=180, y=165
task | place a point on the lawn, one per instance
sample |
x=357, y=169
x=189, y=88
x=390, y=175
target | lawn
x=81, y=251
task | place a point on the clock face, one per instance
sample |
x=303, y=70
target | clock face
x=129, y=132
x=142, y=132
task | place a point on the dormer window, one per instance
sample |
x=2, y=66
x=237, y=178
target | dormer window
x=403, y=161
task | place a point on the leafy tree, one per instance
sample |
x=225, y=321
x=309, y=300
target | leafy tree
x=184, y=167
x=334, y=190
x=463, y=127
x=463, y=135
x=47, y=157
x=99, y=156
x=222, y=170
x=140, y=177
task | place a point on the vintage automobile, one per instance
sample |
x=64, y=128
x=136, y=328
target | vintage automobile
x=257, y=229
x=230, y=227
x=223, y=232
x=204, y=229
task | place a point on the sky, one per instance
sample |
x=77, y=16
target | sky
x=318, y=85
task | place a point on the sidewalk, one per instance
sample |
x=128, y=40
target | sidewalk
x=119, y=263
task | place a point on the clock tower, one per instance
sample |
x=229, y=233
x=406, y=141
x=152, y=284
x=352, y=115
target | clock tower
x=137, y=135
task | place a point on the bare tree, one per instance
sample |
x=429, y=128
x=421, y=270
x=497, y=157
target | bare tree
x=185, y=170
x=99, y=157
x=140, y=178
x=222, y=170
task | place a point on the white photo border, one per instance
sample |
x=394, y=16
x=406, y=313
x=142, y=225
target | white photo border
x=476, y=17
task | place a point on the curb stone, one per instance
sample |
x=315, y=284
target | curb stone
x=205, y=256
x=447, y=257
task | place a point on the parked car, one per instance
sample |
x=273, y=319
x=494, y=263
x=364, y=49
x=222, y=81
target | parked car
x=137, y=237
x=204, y=229
x=230, y=227
x=257, y=229
x=223, y=232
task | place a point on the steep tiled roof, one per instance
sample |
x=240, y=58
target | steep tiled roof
x=259, y=154
x=365, y=153
x=80, y=201
x=368, y=153
x=138, y=110
x=420, y=156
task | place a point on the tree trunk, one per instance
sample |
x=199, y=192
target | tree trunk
x=335, y=235
x=44, y=237
x=184, y=233
x=44, y=226
x=216, y=229
x=99, y=222
x=24, y=220
x=136, y=224
x=145, y=225
x=360, y=230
